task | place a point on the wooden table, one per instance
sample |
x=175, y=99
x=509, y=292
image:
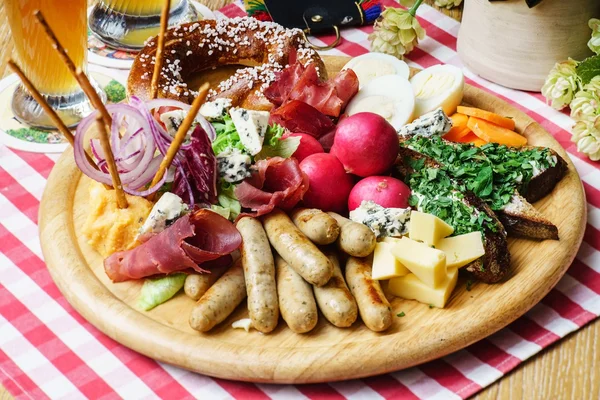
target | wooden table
x=570, y=369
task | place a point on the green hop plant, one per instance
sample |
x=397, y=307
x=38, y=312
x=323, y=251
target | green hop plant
x=397, y=31
x=448, y=3
x=586, y=134
x=594, y=42
x=585, y=106
x=561, y=84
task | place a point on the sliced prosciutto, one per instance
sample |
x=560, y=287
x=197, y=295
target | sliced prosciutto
x=196, y=172
x=276, y=182
x=296, y=82
x=194, y=239
x=297, y=116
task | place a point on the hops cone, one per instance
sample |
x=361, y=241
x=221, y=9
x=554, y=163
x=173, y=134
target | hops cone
x=561, y=84
x=586, y=134
x=397, y=31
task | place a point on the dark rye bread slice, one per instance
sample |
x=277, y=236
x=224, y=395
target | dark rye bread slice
x=542, y=184
x=495, y=264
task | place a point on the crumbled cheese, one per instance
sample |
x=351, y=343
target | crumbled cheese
x=215, y=109
x=166, y=210
x=251, y=126
x=433, y=123
x=244, y=323
x=382, y=221
x=233, y=165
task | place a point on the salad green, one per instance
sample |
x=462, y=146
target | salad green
x=156, y=291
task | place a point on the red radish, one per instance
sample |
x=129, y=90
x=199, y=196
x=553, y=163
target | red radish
x=386, y=191
x=308, y=145
x=329, y=184
x=366, y=144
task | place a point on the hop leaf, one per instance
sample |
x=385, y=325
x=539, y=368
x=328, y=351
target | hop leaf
x=586, y=103
x=396, y=32
x=586, y=134
x=594, y=42
x=447, y=3
x=561, y=84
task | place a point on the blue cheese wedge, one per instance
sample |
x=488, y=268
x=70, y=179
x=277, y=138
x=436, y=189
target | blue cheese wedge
x=172, y=121
x=215, y=110
x=431, y=124
x=382, y=221
x=166, y=210
x=233, y=165
x=251, y=126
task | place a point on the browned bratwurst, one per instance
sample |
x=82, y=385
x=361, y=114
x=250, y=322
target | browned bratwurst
x=296, y=249
x=197, y=284
x=355, y=239
x=334, y=299
x=220, y=300
x=296, y=300
x=375, y=310
x=318, y=226
x=259, y=272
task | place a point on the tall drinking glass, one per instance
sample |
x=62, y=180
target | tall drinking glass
x=126, y=24
x=41, y=63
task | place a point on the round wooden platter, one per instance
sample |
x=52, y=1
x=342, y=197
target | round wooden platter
x=326, y=353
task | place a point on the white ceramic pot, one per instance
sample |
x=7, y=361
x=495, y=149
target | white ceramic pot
x=510, y=44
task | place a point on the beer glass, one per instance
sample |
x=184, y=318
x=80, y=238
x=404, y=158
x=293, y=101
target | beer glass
x=42, y=64
x=126, y=24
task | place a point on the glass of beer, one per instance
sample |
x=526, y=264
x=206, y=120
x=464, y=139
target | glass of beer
x=126, y=24
x=41, y=63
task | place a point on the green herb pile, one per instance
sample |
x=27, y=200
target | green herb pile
x=492, y=172
x=435, y=192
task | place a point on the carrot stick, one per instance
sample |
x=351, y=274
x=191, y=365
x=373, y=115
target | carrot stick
x=81, y=78
x=164, y=23
x=110, y=161
x=456, y=133
x=459, y=120
x=60, y=125
x=488, y=116
x=180, y=136
x=494, y=133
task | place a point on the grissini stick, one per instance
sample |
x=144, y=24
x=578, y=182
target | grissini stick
x=179, y=136
x=110, y=161
x=81, y=78
x=158, y=62
x=60, y=125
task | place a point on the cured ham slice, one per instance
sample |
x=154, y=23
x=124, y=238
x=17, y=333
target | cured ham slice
x=296, y=82
x=297, y=116
x=192, y=240
x=276, y=182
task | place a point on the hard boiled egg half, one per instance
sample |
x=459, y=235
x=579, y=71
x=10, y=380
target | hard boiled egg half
x=373, y=65
x=390, y=96
x=438, y=86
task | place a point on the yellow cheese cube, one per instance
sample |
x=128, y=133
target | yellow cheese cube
x=412, y=288
x=428, y=228
x=385, y=265
x=461, y=250
x=427, y=263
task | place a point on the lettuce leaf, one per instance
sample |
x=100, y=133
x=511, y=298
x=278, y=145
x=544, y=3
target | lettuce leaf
x=227, y=136
x=156, y=291
x=227, y=199
x=274, y=146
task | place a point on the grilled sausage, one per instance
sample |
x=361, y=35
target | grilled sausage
x=197, y=284
x=355, y=239
x=334, y=299
x=259, y=273
x=295, y=248
x=220, y=300
x=318, y=226
x=296, y=299
x=374, y=308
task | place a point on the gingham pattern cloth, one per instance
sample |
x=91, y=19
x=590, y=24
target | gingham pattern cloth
x=47, y=350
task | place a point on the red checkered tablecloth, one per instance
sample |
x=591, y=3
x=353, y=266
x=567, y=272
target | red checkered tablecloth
x=47, y=350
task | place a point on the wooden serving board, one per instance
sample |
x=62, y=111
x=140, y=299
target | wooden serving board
x=327, y=353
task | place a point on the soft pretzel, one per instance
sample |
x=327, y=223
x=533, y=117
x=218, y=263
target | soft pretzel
x=266, y=47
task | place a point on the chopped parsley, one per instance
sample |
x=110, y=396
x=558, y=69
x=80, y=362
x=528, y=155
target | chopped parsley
x=469, y=285
x=492, y=172
x=435, y=192
x=401, y=314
